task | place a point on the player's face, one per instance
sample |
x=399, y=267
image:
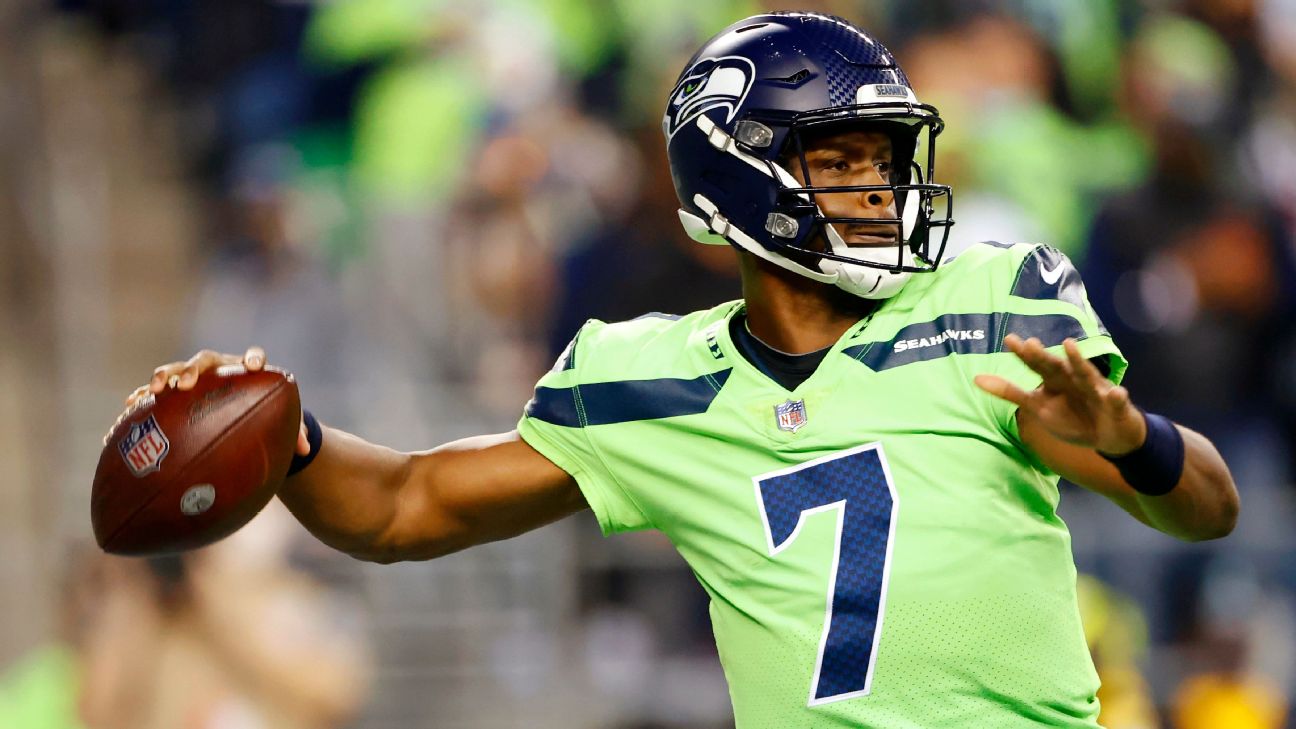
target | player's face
x=852, y=158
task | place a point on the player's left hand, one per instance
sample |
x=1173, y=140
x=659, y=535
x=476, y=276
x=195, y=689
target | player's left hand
x=1074, y=402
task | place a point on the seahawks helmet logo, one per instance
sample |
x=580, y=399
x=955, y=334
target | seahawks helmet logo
x=711, y=83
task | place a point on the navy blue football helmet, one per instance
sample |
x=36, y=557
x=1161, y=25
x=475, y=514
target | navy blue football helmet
x=744, y=106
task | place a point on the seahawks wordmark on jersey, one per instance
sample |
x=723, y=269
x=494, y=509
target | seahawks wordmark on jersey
x=896, y=559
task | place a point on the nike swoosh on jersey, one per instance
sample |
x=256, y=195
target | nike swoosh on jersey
x=1036, y=280
x=1052, y=275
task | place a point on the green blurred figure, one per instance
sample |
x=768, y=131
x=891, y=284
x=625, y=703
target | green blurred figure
x=42, y=690
x=1116, y=632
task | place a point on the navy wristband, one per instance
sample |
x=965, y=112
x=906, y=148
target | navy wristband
x=315, y=436
x=1155, y=467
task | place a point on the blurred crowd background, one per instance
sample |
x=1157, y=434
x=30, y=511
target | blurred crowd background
x=413, y=204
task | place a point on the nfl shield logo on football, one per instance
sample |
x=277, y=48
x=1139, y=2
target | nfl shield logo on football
x=791, y=415
x=144, y=447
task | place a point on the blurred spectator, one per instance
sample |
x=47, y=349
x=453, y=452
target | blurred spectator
x=228, y=636
x=265, y=283
x=1240, y=26
x=1116, y=632
x=225, y=637
x=1226, y=684
x=1188, y=269
x=639, y=260
x=1211, y=701
x=1023, y=169
x=43, y=688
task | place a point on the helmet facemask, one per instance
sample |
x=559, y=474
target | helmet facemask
x=800, y=226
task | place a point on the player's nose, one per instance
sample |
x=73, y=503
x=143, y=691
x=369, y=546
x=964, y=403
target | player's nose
x=879, y=200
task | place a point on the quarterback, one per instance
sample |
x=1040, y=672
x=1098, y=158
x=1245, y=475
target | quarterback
x=859, y=459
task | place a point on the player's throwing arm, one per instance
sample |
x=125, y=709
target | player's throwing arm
x=382, y=505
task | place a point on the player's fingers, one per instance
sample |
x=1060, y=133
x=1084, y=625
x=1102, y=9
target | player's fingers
x=1048, y=365
x=1083, y=371
x=1027, y=350
x=1003, y=389
x=110, y=430
x=303, y=442
x=139, y=392
x=201, y=362
x=183, y=375
x=130, y=401
x=163, y=373
x=1056, y=373
x=188, y=375
x=1117, y=400
x=254, y=359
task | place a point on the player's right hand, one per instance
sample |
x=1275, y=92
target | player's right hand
x=184, y=375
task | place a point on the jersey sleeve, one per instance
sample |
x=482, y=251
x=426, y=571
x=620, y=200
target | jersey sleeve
x=554, y=423
x=1041, y=295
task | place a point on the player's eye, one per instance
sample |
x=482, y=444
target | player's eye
x=836, y=164
x=884, y=169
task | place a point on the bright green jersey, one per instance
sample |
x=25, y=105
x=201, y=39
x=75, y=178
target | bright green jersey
x=879, y=549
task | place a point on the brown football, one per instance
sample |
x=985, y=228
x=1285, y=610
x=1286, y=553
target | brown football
x=188, y=467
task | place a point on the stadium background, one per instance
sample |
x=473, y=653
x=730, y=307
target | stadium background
x=413, y=203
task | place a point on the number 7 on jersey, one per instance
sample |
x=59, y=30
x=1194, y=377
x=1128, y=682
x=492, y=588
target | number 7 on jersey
x=856, y=485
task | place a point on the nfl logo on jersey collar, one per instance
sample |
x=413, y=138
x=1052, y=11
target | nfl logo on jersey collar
x=791, y=415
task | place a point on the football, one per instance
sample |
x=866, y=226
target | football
x=185, y=468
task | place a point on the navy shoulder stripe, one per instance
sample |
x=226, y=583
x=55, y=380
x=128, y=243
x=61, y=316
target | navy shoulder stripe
x=963, y=334
x=1046, y=274
x=605, y=403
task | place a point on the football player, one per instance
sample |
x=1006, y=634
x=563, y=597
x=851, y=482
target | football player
x=859, y=460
